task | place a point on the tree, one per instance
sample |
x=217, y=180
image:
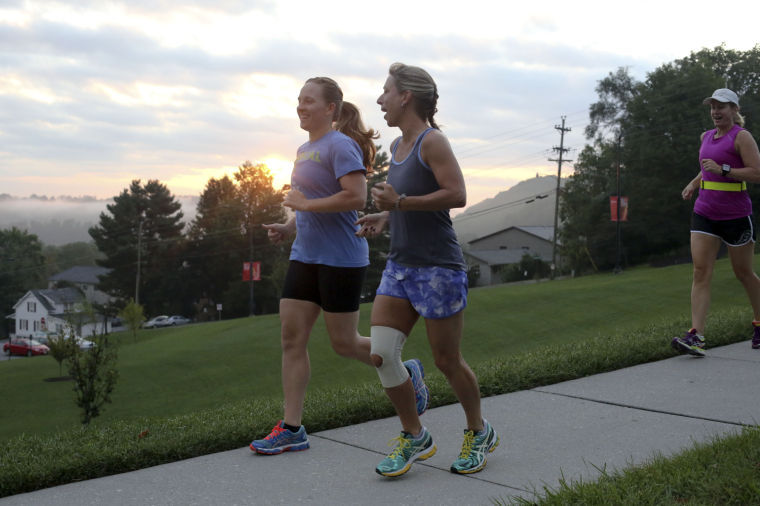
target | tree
x=61, y=348
x=379, y=246
x=22, y=267
x=649, y=130
x=133, y=317
x=529, y=267
x=94, y=374
x=60, y=258
x=227, y=232
x=143, y=222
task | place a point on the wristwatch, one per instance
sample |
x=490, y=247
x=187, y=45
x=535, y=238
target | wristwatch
x=398, y=202
x=726, y=169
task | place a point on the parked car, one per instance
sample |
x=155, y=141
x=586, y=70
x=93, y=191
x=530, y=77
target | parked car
x=178, y=320
x=158, y=321
x=22, y=346
x=41, y=337
x=83, y=344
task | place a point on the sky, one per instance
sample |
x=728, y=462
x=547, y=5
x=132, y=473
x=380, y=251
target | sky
x=94, y=94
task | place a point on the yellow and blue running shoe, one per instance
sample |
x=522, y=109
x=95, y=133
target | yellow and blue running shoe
x=475, y=448
x=407, y=450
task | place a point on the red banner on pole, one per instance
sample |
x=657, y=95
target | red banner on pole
x=251, y=270
x=623, y=209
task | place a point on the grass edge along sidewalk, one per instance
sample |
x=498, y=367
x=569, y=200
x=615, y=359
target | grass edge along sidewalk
x=724, y=470
x=31, y=462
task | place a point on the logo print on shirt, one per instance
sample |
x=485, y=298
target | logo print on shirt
x=308, y=155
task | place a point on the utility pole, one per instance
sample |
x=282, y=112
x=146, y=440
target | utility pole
x=561, y=150
x=139, y=255
x=618, y=268
x=251, y=303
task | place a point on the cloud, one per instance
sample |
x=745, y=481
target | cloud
x=95, y=94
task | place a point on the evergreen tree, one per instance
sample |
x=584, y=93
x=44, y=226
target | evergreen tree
x=22, y=268
x=145, y=217
x=379, y=245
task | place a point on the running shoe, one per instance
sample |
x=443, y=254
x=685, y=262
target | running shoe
x=407, y=450
x=756, y=339
x=475, y=448
x=691, y=343
x=281, y=440
x=421, y=391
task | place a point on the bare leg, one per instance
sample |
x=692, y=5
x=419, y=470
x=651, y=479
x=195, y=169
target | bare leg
x=445, y=337
x=704, y=251
x=344, y=336
x=741, y=260
x=297, y=318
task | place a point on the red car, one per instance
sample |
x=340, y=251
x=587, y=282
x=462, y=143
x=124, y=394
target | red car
x=26, y=347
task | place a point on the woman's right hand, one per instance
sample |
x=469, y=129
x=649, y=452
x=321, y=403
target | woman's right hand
x=688, y=192
x=371, y=224
x=277, y=232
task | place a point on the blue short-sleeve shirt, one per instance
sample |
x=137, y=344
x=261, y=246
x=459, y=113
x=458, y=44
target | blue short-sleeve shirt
x=327, y=238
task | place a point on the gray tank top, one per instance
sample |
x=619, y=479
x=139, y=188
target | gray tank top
x=420, y=238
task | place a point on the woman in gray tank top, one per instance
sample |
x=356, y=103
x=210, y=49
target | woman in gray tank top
x=425, y=274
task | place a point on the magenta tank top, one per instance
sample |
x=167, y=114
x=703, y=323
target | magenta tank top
x=716, y=204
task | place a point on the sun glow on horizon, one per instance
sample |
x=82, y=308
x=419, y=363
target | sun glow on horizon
x=280, y=170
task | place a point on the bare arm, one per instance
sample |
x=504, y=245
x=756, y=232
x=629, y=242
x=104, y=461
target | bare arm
x=277, y=232
x=372, y=224
x=688, y=192
x=352, y=196
x=747, y=148
x=438, y=155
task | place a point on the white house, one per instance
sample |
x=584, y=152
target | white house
x=49, y=310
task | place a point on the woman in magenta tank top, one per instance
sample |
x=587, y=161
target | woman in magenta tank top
x=728, y=160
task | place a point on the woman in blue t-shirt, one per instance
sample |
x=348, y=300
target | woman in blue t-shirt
x=328, y=260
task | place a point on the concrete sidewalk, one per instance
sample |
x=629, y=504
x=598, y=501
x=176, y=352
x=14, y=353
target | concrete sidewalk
x=569, y=430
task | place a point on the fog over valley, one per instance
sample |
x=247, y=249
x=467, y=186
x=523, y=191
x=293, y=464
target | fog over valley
x=64, y=219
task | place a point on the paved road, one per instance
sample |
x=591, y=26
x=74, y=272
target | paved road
x=3, y=356
x=571, y=429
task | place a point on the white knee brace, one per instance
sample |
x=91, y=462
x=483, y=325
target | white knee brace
x=386, y=344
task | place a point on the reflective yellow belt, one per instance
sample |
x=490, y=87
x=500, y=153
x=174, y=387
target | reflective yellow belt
x=723, y=187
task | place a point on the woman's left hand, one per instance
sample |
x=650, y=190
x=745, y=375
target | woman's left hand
x=710, y=166
x=296, y=200
x=384, y=196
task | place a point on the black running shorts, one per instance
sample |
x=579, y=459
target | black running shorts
x=737, y=232
x=334, y=289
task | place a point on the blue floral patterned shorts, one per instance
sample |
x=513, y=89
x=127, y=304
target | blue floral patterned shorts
x=434, y=292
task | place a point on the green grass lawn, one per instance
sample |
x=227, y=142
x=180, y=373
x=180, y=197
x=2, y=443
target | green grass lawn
x=176, y=371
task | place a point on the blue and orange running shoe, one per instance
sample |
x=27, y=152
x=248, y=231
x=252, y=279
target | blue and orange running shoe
x=691, y=343
x=281, y=440
x=421, y=390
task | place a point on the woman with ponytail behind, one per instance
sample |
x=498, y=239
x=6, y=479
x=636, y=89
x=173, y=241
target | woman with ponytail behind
x=328, y=260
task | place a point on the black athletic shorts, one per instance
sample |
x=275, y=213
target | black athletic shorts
x=737, y=232
x=334, y=289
